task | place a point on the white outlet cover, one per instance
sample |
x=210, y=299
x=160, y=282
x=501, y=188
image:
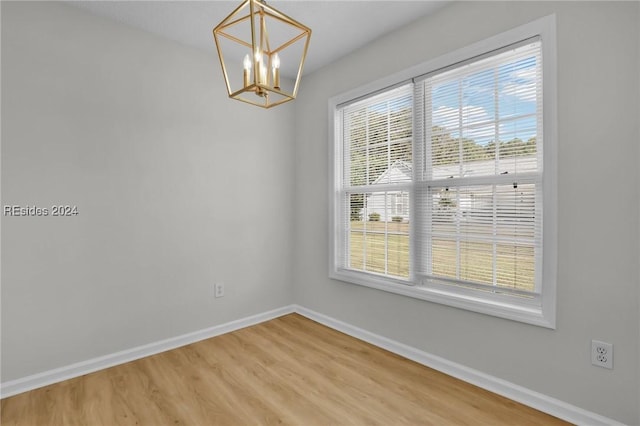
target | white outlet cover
x=219, y=290
x=602, y=354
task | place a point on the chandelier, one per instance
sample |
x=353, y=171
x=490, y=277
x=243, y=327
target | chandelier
x=255, y=42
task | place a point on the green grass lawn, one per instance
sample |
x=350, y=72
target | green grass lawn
x=368, y=252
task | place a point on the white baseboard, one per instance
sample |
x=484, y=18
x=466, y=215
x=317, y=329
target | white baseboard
x=45, y=378
x=507, y=389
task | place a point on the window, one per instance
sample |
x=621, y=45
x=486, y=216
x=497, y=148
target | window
x=442, y=179
x=400, y=205
x=377, y=152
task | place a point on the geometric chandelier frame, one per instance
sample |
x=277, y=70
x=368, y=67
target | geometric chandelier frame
x=253, y=42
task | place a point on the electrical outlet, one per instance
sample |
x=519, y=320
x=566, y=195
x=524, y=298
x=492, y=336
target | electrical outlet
x=602, y=354
x=219, y=290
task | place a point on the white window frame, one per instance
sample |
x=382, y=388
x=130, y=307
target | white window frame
x=543, y=311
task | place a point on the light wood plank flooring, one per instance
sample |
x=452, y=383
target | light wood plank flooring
x=290, y=370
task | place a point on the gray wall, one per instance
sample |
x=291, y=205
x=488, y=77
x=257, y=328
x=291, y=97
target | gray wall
x=598, y=207
x=174, y=191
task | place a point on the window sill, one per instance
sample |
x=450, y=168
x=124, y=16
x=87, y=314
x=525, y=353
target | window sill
x=502, y=306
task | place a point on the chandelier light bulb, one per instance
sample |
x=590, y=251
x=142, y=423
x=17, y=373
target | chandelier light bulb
x=262, y=77
x=247, y=70
x=276, y=71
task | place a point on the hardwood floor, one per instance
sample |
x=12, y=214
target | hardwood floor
x=290, y=370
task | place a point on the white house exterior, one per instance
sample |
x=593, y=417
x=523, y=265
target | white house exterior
x=391, y=204
x=395, y=204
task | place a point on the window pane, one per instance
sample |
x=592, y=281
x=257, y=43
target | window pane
x=481, y=108
x=401, y=121
x=445, y=155
x=444, y=258
x=445, y=100
x=518, y=146
x=400, y=153
x=358, y=167
x=515, y=266
x=516, y=212
x=356, y=129
x=379, y=233
x=356, y=210
x=378, y=134
x=518, y=82
x=485, y=234
x=476, y=261
x=378, y=125
x=374, y=249
x=444, y=209
x=378, y=164
x=476, y=211
x=477, y=91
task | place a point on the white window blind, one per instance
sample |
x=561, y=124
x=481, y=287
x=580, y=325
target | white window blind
x=377, y=176
x=440, y=187
x=480, y=184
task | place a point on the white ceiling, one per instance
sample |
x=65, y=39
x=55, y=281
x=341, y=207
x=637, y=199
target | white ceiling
x=338, y=27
